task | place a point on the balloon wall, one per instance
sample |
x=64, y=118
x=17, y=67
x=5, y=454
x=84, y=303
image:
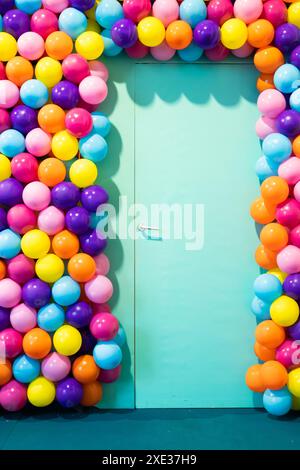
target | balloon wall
x=60, y=338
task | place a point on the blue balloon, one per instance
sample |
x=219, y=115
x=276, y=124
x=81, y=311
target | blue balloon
x=101, y=219
x=73, y=22
x=277, y=147
x=260, y=309
x=29, y=6
x=277, y=402
x=120, y=337
x=26, y=369
x=51, y=317
x=93, y=147
x=110, y=47
x=287, y=78
x=12, y=142
x=190, y=53
x=108, y=12
x=10, y=244
x=1, y=23
x=34, y=93
x=107, y=354
x=101, y=124
x=264, y=168
x=65, y=291
x=267, y=287
x=193, y=11
x=295, y=100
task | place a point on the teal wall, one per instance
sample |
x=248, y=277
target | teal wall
x=184, y=132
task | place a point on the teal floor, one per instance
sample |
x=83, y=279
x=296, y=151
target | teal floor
x=148, y=429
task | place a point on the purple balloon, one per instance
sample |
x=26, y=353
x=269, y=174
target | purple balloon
x=206, y=34
x=294, y=330
x=65, y=195
x=24, y=119
x=6, y=5
x=11, y=192
x=69, y=393
x=287, y=37
x=92, y=243
x=92, y=197
x=291, y=286
x=16, y=22
x=288, y=123
x=65, y=94
x=82, y=5
x=79, y=315
x=295, y=57
x=4, y=318
x=124, y=33
x=3, y=219
x=78, y=220
x=36, y=293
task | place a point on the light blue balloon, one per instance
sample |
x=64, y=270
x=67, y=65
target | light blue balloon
x=277, y=402
x=1, y=23
x=12, y=142
x=295, y=100
x=267, y=287
x=51, y=317
x=93, y=147
x=260, y=309
x=108, y=12
x=265, y=168
x=193, y=11
x=26, y=369
x=190, y=53
x=34, y=93
x=73, y=22
x=101, y=124
x=110, y=47
x=287, y=78
x=10, y=244
x=107, y=354
x=29, y=6
x=120, y=337
x=65, y=291
x=277, y=147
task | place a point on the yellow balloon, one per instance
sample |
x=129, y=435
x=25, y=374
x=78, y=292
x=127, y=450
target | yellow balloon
x=67, y=340
x=91, y=12
x=284, y=311
x=151, y=31
x=92, y=25
x=296, y=403
x=64, y=145
x=234, y=33
x=35, y=244
x=83, y=173
x=8, y=47
x=5, y=168
x=294, y=14
x=41, y=392
x=294, y=382
x=50, y=268
x=90, y=45
x=279, y=274
x=48, y=71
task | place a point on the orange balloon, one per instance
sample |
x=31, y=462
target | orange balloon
x=268, y=59
x=265, y=258
x=274, y=236
x=265, y=82
x=92, y=394
x=65, y=244
x=296, y=146
x=51, y=171
x=262, y=212
x=274, y=190
x=274, y=375
x=37, y=343
x=179, y=35
x=269, y=334
x=82, y=267
x=5, y=372
x=254, y=379
x=85, y=370
x=263, y=353
x=19, y=70
x=51, y=118
x=2, y=270
x=58, y=45
x=260, y=33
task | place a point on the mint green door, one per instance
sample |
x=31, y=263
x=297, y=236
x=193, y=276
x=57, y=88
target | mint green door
x=195, y=144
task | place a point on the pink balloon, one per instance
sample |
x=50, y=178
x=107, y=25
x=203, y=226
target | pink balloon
x=136, y=10
x=9, y=94
x=98, y=69
x=55, y=5
x=217, y=53
x=38, y=142
x=275, y=11
x=248, y=10
x=21, y=219
x=13, y=396
x=137, y=51
x=5, y=122
x=24, y=167
x=36, y=196
x=44, y=22
x=11, y=342
x=294, y=236
x=102, y=264
x=271, y=102
x=23, y=318
x=2, y=71
x=288, y=213
x=79, y=122
x=10, y=293
x=20, y=269
x=288, y=259
x=162, y=52
x=219, y=11
x=244, y=51
x=93, y=90
x=31, y=45
x=285, y=352
x=166, y=10
x=110, y=375
x=75, y=68
x=265, y=126
x=51, y=220
x=290, y=170
x=104, y=326
x=56, y=367
x=99, y=289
